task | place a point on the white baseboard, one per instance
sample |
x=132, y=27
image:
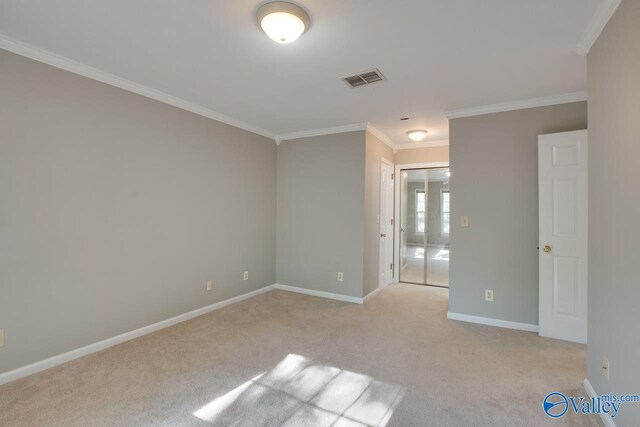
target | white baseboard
x=321, y=294
x=605, y=418
x=371, y=294
x=110, y=342
x=492, y=322
x=374, y=293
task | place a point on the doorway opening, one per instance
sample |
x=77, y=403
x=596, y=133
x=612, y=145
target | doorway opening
x=425, y=220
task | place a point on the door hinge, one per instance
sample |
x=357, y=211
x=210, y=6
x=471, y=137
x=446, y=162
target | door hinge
x=391, y=221
x=392, y=175
x=391, y=267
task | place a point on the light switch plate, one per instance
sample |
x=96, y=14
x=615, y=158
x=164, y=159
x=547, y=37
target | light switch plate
x=464, y=221
x=245, y=276
x=340, y=276
x=209, y=285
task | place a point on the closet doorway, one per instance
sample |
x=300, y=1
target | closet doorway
x=424, y=225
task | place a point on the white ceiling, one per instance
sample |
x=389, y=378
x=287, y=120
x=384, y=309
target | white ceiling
x=437, y=55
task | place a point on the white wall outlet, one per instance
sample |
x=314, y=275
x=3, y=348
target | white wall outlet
x=340, y=276
x=1, y=338
x=488, y=295
x=245, y=276
x=464, y=221
x=209, y=285
x=606, y=368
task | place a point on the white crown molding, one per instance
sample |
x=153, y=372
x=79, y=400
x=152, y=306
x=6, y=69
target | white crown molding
x=603, y=13
x=492, y=322
x=55, y=60
x=319, y=132
x=517, y=105
x=364, y=126
x=423, y=144
x=382, y=137
x=360, y=127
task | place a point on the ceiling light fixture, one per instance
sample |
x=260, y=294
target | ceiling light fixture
x=283, y=22
x=417, y=135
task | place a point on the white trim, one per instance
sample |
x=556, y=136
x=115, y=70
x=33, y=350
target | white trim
x=372, y=294
x=396, y=211
x=67, y=64
x=354, y=127
x=423, y=144
x=606, y=418
x=492, y=322
x=381, y=277
x=604, y=12
x=388, y=162
x=119, y=339
x=321, y=294
x=319, y=132
x=442, y=212
x=415, y=206
x=517, y=105
x=382, y=137
x=55, y=60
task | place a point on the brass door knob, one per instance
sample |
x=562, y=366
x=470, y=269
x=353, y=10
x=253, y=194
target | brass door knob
x=547, y=248
x=383, y=235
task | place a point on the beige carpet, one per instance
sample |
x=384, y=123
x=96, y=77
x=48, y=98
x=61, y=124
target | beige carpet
x=289, y=359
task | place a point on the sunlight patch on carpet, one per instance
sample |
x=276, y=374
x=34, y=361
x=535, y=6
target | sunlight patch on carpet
x=298, y=392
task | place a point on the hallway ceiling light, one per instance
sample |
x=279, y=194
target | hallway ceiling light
x=417, y=135
x=283, y=22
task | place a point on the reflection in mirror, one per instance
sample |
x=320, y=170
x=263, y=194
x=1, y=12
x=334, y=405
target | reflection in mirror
x=425, y=226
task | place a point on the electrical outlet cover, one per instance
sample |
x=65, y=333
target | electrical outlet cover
x=488, y=295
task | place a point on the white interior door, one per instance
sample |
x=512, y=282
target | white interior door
x=563, y=192
x=386, y=224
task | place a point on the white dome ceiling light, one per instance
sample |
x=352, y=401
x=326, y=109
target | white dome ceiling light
x=283, y=22
x=417, y=135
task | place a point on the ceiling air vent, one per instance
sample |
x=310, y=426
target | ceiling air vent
x=364, y=78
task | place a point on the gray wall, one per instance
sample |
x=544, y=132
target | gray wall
x=375, y=150
x=422, y=155
x=614, y=208
x=494, y=180
x=117, y=209
x=321, y=188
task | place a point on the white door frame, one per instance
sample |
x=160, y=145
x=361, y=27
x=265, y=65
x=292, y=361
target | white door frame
x=396, y=212
x=381, y=280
